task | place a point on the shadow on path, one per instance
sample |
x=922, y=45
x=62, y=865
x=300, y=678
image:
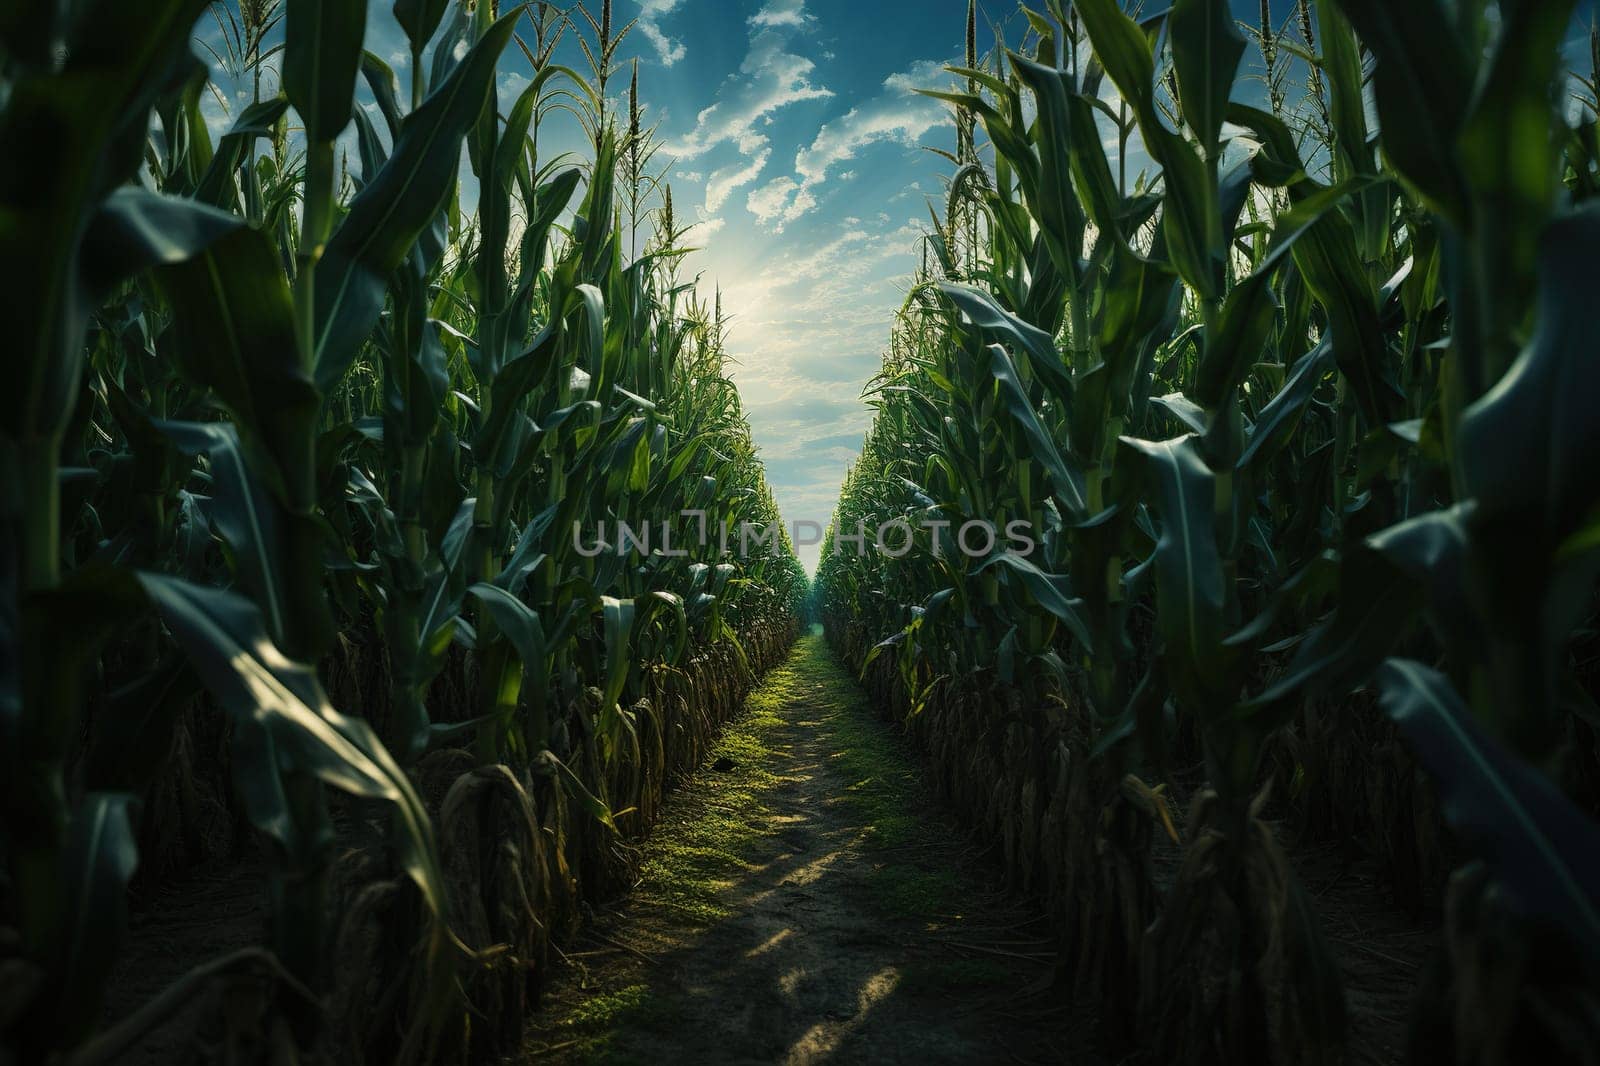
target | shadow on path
x=806, y=904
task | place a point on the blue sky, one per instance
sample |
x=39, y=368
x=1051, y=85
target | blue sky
x=791, y=131
x=798, y=140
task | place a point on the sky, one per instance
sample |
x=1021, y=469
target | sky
x=791, y=131
x=798, y=139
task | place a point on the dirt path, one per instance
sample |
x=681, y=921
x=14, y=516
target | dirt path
x=797, y=905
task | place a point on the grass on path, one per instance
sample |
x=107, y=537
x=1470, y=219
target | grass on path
x=812, y=882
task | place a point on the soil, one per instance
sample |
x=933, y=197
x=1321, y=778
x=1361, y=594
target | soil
x=215, y=910
x=803, y=905
x=1380, y=950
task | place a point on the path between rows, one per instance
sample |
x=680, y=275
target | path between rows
x=803, y=901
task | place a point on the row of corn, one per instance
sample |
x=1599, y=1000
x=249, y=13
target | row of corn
x=1300, y=423
x=294, y=455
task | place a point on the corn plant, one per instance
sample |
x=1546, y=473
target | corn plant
x=285, y=425
x=1247, y=407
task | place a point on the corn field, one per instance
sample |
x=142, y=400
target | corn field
x=1294, y=400
x=292, y=454
x=1303, y=420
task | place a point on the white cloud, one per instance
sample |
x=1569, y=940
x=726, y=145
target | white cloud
x=843, y=258
x=898, y=114
x=511, y=86
x=816, y=316
x=668, y=49
x=705, y=227
x=810, y=310
x=810, y=318
x=725, y=180
x=769, y=200
x=914, y=187
x=769, y=78
x=779, y=202
x=781, y=13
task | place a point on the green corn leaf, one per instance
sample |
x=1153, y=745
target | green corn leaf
x=1384, y=582
x=420, y=19
x=321, y=54
x=516, y=620
x=102, y=853
x=617, y=617
x=1068, y=481
x=442, y=598
x=1276, y=421
x=511, y=382
x=361, y=493
x=391, y=211
x=1422, y=83
x=446, y=56
x=1122, y=49
x=1054, y=201
x=236, y=336
x=245, y=516
x=889, y=643
x=1051, y=591
x=1206, y=49
x=1180, y=407
x=1140, y=304
x=254, y=123
x=1248, y=315
x=526, y=559
x=589, y=301
x=680, y=619
x=1190, y=592
x=1509, y=151
x=547, y=763
x=592, y=227
x=371, y=150
x=136, y=230
x=1091, y=169
x=385, y=92
x=550, y=201
x=1028, y=339
x=1277, y=163
x=1527, y=447
x=1341, y=60
x=1537, y=844
x=521, y=625
x=1190, y=222
x=81, y=126
x=1432, y=552
x=1325, y=252
x=286, y=723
